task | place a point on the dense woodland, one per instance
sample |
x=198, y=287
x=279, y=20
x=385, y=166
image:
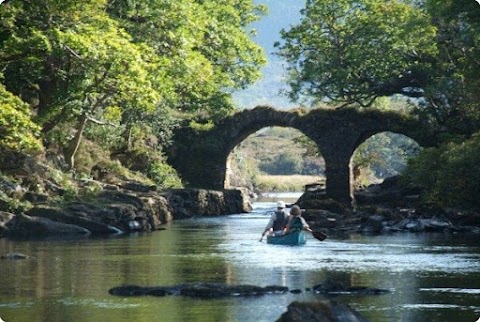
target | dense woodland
x=100, y=82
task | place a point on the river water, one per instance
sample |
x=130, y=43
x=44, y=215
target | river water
x=432, y=278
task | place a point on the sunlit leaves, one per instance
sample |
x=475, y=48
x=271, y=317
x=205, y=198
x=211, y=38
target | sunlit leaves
x=206, y=46
x=17, y=131
x=82, y=61
x=134, y=64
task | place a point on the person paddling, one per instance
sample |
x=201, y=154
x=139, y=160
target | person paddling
x=296, y=222
x=277, y=221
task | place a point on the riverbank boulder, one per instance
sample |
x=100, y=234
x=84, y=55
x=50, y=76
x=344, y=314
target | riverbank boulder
x=188, y=203
x=5, y=218
x=23, y=226
x=38, y=191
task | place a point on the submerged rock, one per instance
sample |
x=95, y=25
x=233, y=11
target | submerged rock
x=335, y=288
x=201, y=290
x=14, y=256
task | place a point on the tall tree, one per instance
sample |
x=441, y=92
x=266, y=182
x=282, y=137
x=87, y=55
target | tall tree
x=351, y=52
x=452, y=97
x=207, y=43
x=72, y=61
x=69, y=61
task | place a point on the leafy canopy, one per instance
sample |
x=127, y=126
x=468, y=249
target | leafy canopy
x=78, y=61
x=137, y=65
x=452, y=97
x=206, y=44
x=351, y=51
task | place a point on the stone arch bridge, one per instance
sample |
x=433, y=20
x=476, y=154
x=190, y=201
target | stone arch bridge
x=200, y=155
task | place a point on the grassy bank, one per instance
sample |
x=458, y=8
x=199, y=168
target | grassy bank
x=281, y=183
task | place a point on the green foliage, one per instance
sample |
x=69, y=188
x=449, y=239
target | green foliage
x=205, y=44
x=453, y=91
x=89, y=155
x=132, y=163
x=164, y=175
x=199, y=127
x=243, y=170
x=74, y=62
x=17, y=131
x=122, y=72
x=450, y=174
x=349, y=51
x=352, y=52
x=12, y=204
x=277, y=149
x=283, y=164
x=70, y=192
x=274, y=150
x=110, y=136
x=382, y=155
x=313, y=165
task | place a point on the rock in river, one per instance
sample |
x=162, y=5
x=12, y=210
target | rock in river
x=201, y=290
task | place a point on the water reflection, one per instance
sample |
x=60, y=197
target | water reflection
x=432, y=277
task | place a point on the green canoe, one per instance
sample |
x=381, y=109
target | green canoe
x=293, y=238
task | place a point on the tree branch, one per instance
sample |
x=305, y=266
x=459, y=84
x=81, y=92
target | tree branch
x=73, y=52
x=91, y=119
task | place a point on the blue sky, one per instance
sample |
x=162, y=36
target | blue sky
x=282, y=14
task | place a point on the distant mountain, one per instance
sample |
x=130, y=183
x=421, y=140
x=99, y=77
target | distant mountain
x=281, y=14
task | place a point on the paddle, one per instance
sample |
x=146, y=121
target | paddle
x=319, y=235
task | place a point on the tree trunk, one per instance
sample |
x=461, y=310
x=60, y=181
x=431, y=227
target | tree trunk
x=73, y=146
x=128, y=137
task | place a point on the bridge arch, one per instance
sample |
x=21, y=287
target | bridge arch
x=273, y=150
x=383, y=165
x=200, y=156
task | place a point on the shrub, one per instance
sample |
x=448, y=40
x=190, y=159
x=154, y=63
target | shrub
x=283, y=164
x=450, y=174
x=164, y=175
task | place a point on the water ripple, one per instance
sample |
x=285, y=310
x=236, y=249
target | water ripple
x=341, y=256
x=104, y=304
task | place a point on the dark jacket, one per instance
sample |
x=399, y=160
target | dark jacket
x=279, y=222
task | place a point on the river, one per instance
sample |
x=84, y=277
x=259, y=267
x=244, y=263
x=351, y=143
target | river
x=432, y=278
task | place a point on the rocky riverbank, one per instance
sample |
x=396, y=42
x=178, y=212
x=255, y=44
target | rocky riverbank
x=386, y=208
x=120, y=210
x=39, y=200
